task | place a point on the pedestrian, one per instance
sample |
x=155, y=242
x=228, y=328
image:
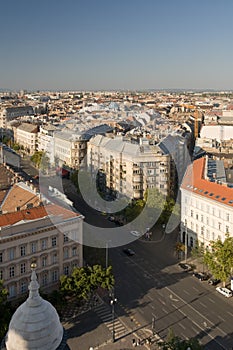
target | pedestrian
x=138, y=342
x=134, y=342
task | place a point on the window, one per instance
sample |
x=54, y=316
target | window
x=202, y=230
x=11, y=271
x=54, y=258
x=197, y=216
x=202, y=218
x=66, y=253
x=1, y=257
x=219, y=226
x=66, y=270
x=44, y=244
x=23, y=287
x=11, y=253
x=23, y=268
x=191, y=214
x=74, y=251
x=227, y=217
x=33, y=247
x=54, y=276
x=54, y=241
x=44, y=279
x=213, y=236
x=23, y=250
x=1, y=275
x=66, y=238
x=12, y=291
x=207, y=220
x=44, y=261
x=227, y=229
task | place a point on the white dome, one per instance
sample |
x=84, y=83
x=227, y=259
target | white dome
x=35, y=325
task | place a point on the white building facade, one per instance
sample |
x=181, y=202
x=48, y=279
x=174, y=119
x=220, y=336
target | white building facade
x=206, y=205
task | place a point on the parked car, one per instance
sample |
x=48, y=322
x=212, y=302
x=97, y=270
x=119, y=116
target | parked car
x=185, y=267
x=214, y=281
x=201, y=276
x=224, y=291
x=128, y=251
x=135, y=233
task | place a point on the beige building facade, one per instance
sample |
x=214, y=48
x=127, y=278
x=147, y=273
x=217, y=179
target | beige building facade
x=49, y=235
x=69, y=149
x=128, y=168
x=26, y=136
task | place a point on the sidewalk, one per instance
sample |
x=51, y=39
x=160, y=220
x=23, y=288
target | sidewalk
x=85, y=330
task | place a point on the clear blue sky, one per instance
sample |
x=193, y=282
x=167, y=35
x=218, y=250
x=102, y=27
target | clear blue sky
x=116, y=44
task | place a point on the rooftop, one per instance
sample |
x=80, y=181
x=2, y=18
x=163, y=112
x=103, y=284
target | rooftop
x=195, y=182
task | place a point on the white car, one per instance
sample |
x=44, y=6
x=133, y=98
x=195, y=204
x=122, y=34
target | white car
x=224, y=291
x=135, y=233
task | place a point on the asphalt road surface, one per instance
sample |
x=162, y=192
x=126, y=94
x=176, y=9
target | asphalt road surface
x=151, y=285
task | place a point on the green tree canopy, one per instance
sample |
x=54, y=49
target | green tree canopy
x=85, y=280
x=5, y=310
x=176, y=343
x=220, y=258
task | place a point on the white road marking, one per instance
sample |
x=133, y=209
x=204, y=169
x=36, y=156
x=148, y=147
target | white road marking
x=161, y=301
x=182, y=326
x=222, y=319
x=164, y=310
x=230, y=313
x=185, y=291
x=197, y=290
x=212, y=301
x=203, y=305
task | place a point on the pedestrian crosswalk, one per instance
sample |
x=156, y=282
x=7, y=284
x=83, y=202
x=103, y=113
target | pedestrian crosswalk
x=105, y=314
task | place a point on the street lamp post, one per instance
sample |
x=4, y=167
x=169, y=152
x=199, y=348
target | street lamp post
x=113, y=301
x=153, y=325
x=186, y=241
x=106, y=256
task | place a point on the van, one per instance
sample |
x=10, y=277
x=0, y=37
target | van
x=224, y=291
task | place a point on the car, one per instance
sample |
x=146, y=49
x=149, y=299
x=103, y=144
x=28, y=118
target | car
x=224, y=291
x=135, y=233
x=185, y=266
x=201, y=276
x=128, y=251
x=214, y=281
x=111, y=218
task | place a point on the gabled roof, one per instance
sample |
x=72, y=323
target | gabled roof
x=19, y=195
x=195, y=182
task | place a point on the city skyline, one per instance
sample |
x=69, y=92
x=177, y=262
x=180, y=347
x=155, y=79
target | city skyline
x=116, y=46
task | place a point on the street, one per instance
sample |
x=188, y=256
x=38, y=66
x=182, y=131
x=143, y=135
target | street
x=150, y=285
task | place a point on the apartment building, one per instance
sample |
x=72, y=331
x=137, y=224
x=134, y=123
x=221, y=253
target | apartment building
x=8, y=114
x=70, y=148
x=128, y=168
x=46, y=140
x=26, y=136
x=48, y=234
x=206, y=203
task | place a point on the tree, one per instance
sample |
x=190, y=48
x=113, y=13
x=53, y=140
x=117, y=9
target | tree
x=5, y=310
x=198, y=252
x=220, y=258
x=84, y=281
x=176, y=343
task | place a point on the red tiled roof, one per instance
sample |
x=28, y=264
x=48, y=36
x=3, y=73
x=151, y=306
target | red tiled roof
x=194, y=181
x=36, y=213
